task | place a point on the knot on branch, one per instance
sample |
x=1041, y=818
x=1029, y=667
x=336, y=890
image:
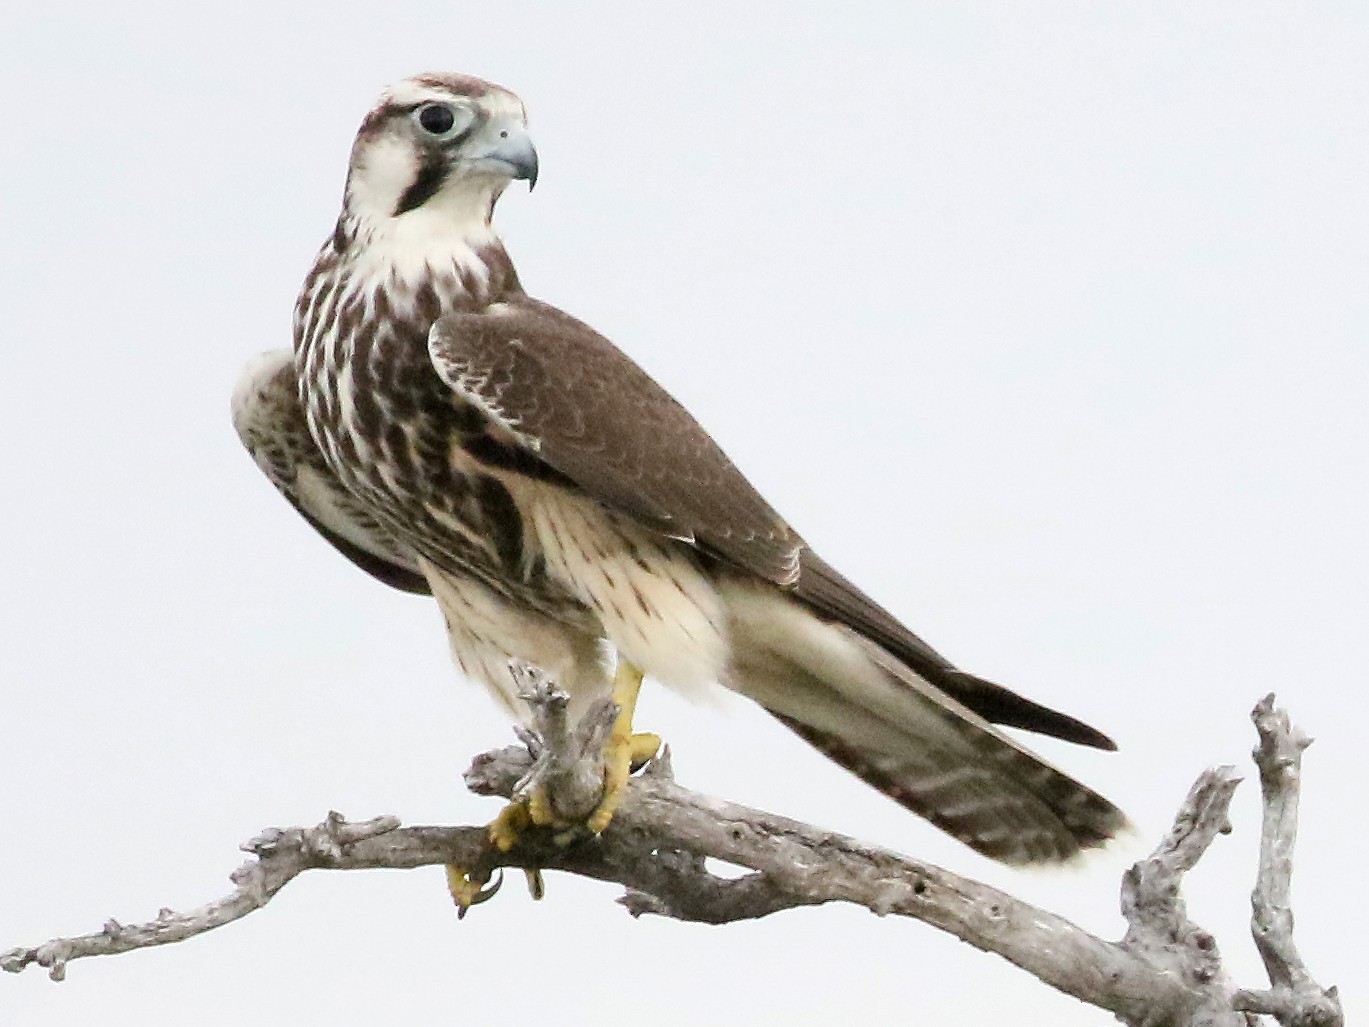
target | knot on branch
x=322, y=845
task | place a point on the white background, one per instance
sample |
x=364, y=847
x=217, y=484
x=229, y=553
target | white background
x=1046, y=323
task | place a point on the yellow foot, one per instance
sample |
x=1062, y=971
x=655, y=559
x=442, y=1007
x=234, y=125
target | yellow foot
x=534, y=811
x=518, y=816
x=505, y=828
x=539, y=808
x=621, y=758
x=469, y=889
x=624, y=750
x=642, y=749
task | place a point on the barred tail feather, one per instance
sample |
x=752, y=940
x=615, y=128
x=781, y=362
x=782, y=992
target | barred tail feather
x=870, y=713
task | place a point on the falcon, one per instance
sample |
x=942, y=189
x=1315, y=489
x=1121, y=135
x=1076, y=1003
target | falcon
x=453, y=436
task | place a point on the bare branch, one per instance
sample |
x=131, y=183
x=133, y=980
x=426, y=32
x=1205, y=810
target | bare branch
x=1294, y=998
x=281, y=856
x=1159, y=930
x=1166, y=971
x=656, y=846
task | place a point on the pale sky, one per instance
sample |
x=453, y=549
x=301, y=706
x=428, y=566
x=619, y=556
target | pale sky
x=1047, y=324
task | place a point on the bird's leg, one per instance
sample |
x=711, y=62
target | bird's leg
x=538, y=804
x=624, y=750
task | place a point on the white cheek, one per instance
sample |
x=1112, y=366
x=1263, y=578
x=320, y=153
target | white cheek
x=380, y=180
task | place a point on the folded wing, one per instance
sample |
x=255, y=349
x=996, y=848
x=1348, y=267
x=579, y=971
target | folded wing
x=270, y=422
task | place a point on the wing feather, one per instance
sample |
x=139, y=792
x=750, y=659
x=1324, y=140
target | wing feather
x=823, y=588
x=271, y=424
x=571, y=397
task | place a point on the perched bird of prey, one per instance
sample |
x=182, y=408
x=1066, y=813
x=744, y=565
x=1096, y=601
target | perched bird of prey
x=450, y=434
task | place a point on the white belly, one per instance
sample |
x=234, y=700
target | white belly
x=657, y=608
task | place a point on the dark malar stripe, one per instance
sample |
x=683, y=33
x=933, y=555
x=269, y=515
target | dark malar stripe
x=432, y=173
x=424, y=187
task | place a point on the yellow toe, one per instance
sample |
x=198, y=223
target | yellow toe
x=642, y=749
x=539, y=808
x=621, y=755
x=505, y=828
x=623, y=749
x=469, y=888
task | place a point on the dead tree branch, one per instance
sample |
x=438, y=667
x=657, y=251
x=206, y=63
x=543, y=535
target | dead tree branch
x=1294, y=999
x=1165, y=971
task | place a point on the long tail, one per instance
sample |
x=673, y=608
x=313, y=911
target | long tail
x=869, y=712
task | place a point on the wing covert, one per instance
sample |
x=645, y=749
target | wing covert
x=568, y=395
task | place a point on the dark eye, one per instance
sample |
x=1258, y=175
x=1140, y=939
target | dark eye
x=436, y=118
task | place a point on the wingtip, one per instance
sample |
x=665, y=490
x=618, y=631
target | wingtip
x=1000, y=705
x=1094, y=738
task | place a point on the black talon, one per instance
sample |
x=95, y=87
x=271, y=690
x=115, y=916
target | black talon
x=483, y=895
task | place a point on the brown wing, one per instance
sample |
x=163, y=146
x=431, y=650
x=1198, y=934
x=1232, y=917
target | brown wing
x=593, y=416
x=823, y=588
x=597, y=418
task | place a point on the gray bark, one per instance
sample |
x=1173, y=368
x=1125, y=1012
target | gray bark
x=1165, y=972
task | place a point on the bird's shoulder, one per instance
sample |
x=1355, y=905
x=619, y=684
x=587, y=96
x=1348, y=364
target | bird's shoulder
x=588, y=410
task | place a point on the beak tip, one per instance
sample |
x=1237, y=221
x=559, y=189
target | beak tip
x=514, y=155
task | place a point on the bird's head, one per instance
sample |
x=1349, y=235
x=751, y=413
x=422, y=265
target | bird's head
x=439, y=144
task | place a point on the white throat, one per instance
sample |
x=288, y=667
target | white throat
x=449, y=229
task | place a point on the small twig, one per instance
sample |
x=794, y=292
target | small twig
x=1158, y=928
x=282, y=854
x=1294, y=998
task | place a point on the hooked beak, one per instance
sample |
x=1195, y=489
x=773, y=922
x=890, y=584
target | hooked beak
x=511, y=152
